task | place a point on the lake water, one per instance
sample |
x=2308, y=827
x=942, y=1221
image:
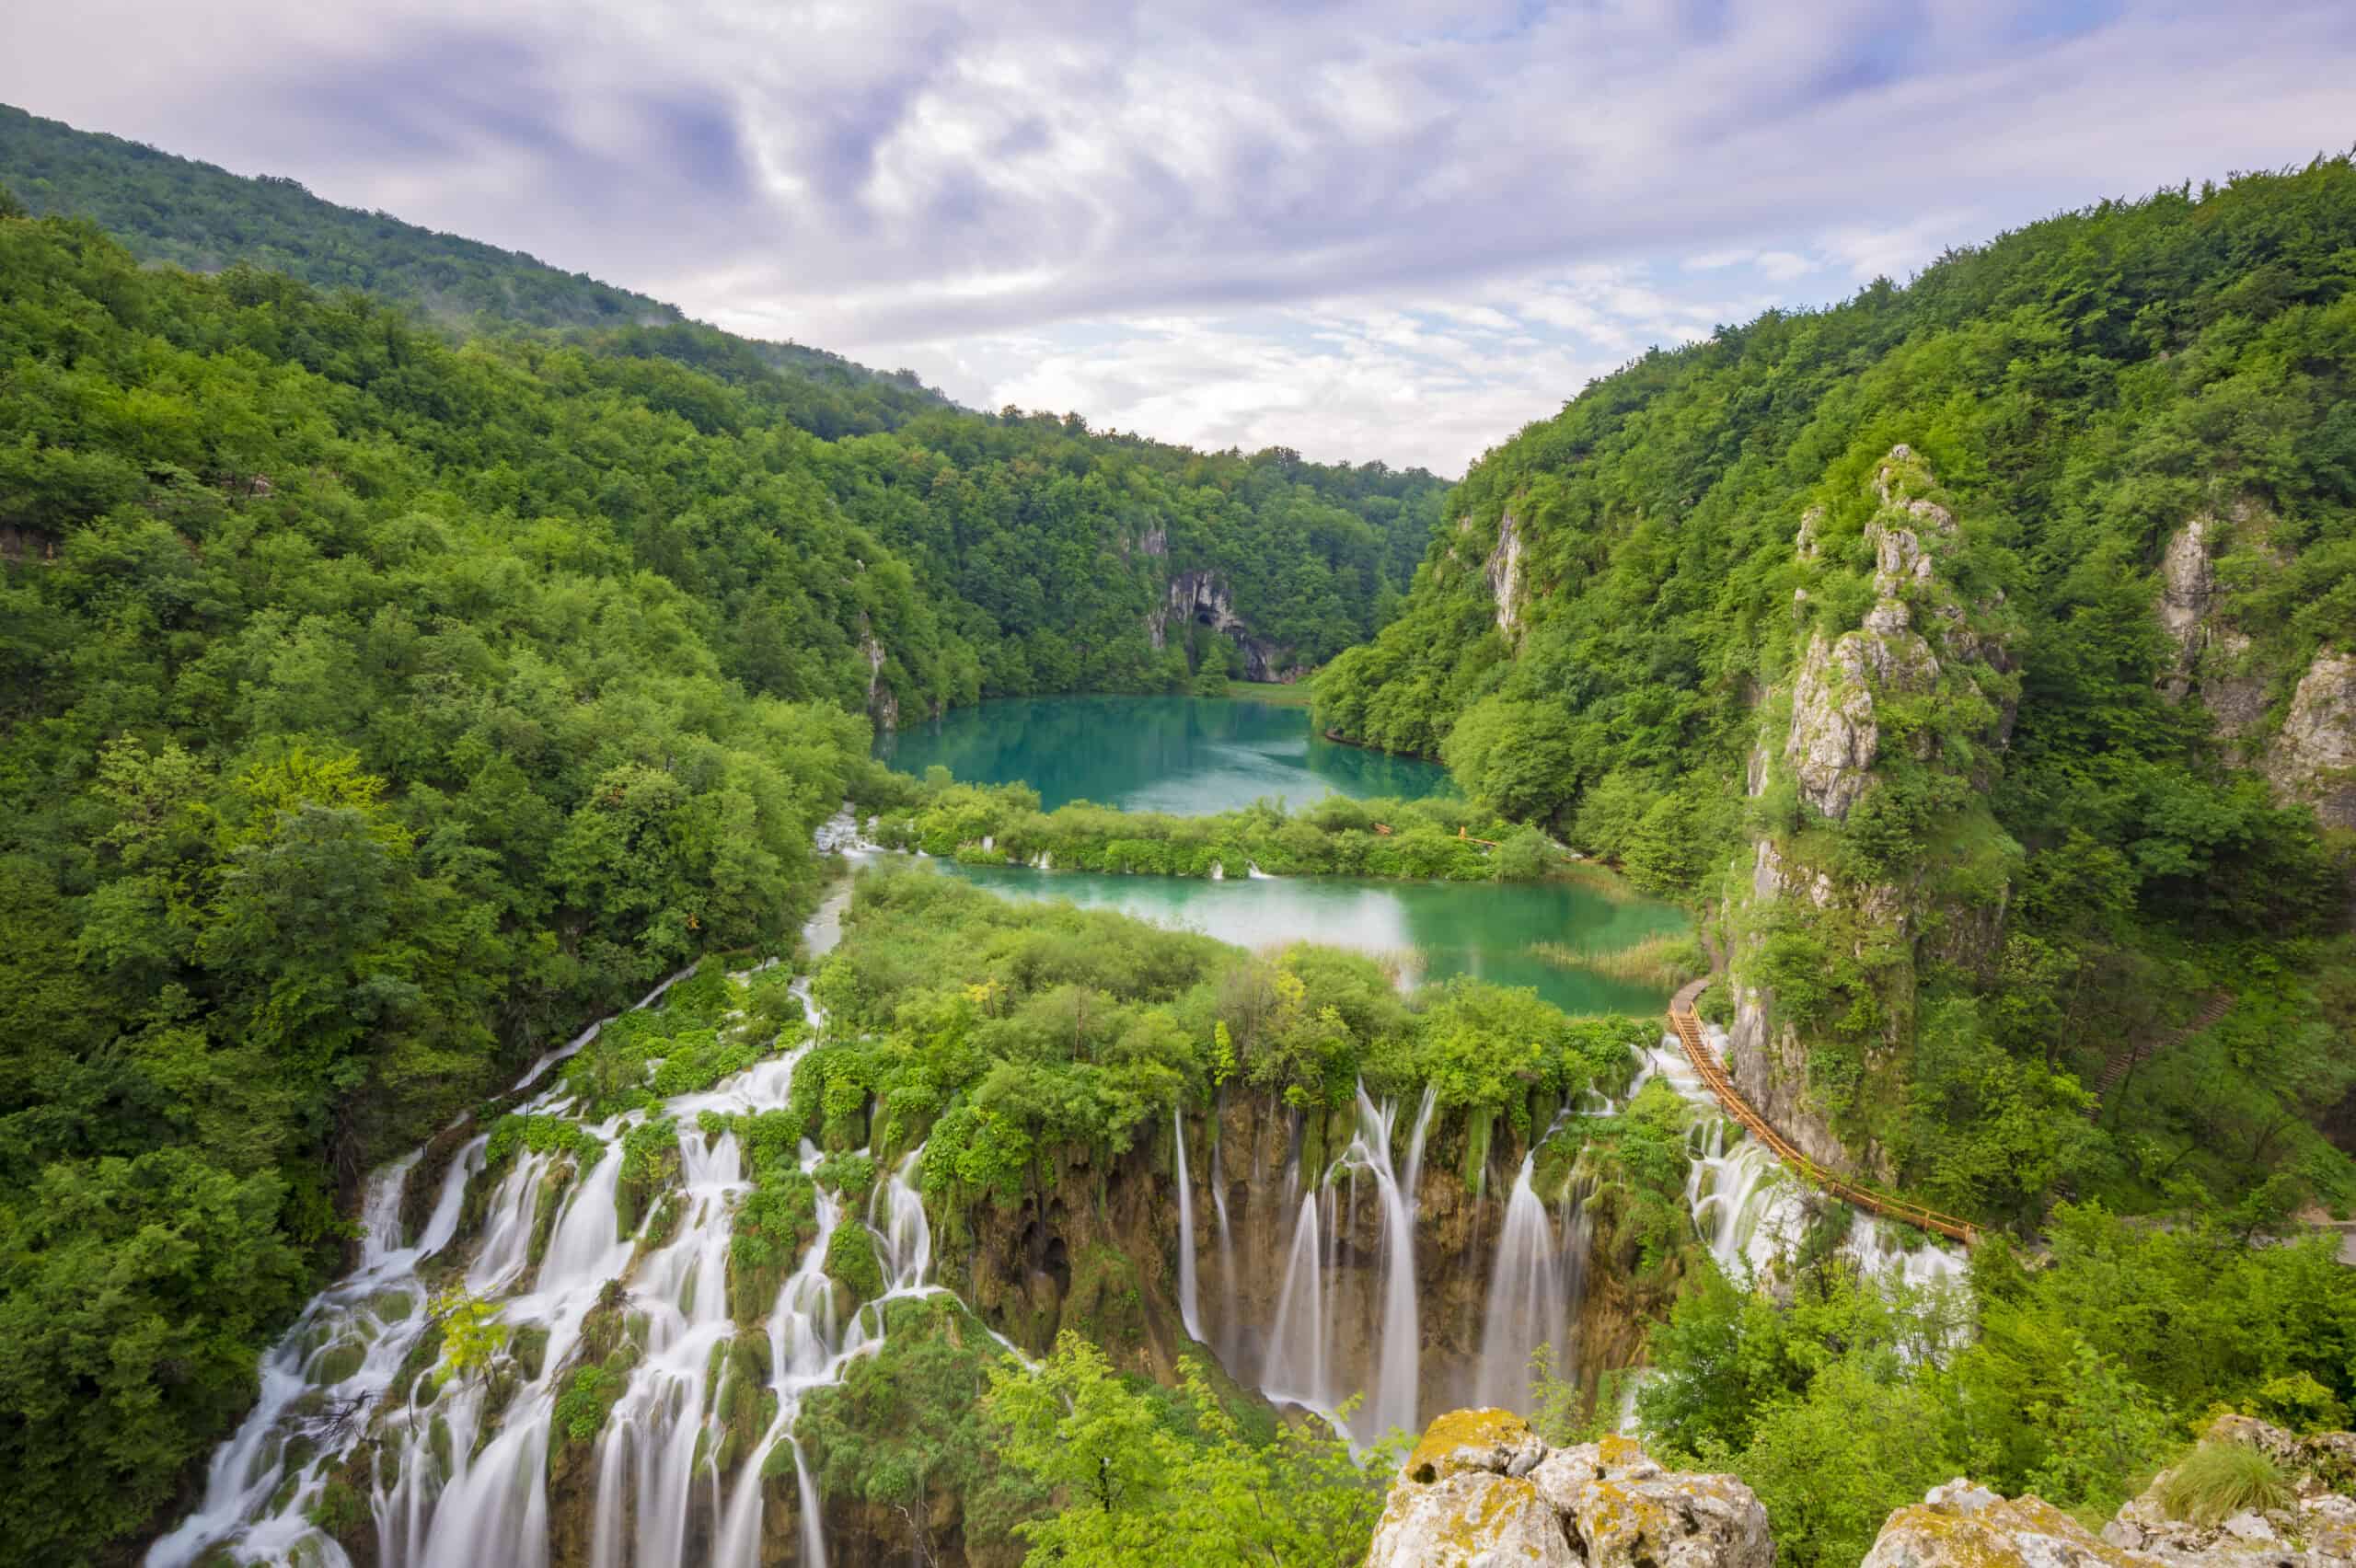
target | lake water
x=1191, y=756
x=1482, y=929
x=1203, y=754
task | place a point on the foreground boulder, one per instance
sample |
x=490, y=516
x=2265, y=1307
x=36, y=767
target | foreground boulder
x=1483, y=1490
x=1963, y=1525
x=2312, y=1525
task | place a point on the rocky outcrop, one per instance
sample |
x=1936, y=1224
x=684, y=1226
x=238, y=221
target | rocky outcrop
x=1930, y=659
x=2314, y=1525
x=1834, y=738
x=1204, y=597
x=1963, y=1525
x=1482, y=1489
x=883, y=702
x=2314, y=756
x=2211, y=656
x=1835, y=733
x=1503, y=571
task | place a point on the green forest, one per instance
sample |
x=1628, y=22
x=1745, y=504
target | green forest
x=516, y=670
x=2075, y=393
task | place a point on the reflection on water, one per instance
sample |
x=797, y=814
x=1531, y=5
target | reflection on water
x=1191, y=756
x=1479, y=929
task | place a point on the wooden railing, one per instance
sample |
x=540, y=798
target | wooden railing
x=1705, y=1062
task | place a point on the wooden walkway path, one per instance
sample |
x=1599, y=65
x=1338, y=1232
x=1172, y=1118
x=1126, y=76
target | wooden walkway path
x=1705, y=1062
x=2115, y=1070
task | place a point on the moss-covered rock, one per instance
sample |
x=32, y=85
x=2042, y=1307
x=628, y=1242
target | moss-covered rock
x=851, y=1263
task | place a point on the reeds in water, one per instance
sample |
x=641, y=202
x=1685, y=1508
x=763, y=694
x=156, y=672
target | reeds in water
x=1664, y=960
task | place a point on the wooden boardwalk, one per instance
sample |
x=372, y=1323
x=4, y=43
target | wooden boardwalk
x=1705, y=1062
x=2115, y=1070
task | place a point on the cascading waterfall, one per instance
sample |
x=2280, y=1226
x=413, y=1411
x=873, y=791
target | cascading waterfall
x=1226, y=1347
x=1188, y=1311
x=1751, y=1211
x=1311, y=1320
x=1533, y=1293
x=380, y=1306
x=464, y=1471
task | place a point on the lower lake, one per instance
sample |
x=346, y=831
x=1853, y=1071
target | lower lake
x=1195, y=756
x=1435, y=929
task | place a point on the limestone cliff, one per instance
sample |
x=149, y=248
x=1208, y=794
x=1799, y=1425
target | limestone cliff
x=1920, y=690
x=1503, y=572
x=2291, y=715
x=1203, y=598
x=2313, y=758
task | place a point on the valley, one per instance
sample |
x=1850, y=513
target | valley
x=627, y=947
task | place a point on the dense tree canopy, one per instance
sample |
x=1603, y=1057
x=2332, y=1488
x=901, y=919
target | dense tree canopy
x=2083, y=390
x=378, y=708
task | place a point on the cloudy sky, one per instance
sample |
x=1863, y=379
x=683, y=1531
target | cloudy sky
x=1388, y=230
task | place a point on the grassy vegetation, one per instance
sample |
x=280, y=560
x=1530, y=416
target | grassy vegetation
x=1001, y=824
x=1297, y=695
x=1666, y=960
x=2217, y=1481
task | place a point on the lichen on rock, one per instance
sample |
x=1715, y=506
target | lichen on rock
x=1961, y=1525
x=1482, y=1489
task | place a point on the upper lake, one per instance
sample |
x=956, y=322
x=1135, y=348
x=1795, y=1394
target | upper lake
x=1187, y=756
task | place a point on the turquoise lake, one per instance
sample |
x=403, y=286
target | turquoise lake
x=1200, y=755
x=1191, y=756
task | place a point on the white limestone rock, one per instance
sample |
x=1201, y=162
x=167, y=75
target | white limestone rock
x=2314, y=758
x=1483, y=1490
x=1964, y=1525
x=1503, y=570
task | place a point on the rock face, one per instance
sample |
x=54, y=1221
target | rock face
x=1204, y=596
x=2314, y=758
x=1963, y=1525
x=1483, y=1490
x=1932, y=642
x=2317, y=1527
x=1503, y=570
x=883, y=702
x=2213, y=656
x=1835, y=735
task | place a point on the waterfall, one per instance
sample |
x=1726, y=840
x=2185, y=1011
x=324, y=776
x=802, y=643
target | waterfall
x=1295, y=1369
x=1531, y=1299
x=247, y=1469
x=1393, y=1400
x=1189, y=1313
x=459, y=1480
x=1226, y=1348
x=1306, y=1337
x=1751, y=1212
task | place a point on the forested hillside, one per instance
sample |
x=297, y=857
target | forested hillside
x=1143, y=550
x=379, y=708
x=1979, y=651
